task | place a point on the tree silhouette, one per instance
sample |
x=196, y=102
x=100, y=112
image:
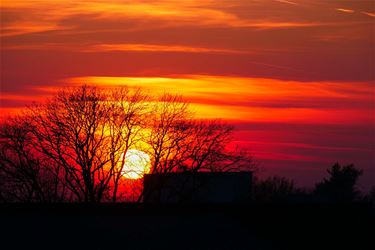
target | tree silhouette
x=370, y=196
x=124, y=126
x=25, y=175
x=73, y=146
x=274, y=189
x=69, y=130
x=178, y=142
x=341, y=184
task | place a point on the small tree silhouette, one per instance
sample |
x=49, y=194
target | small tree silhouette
x=341, y=184
x=25, y=175
x=274, y=189
x=370, y=196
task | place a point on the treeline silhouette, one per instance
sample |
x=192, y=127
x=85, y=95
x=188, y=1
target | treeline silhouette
x=73, y=147
x=341, y=186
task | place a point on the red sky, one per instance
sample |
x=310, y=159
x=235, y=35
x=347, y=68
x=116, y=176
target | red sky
x=296, y=77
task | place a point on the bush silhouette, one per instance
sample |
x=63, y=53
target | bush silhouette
x=341, y=184
x=274, y=189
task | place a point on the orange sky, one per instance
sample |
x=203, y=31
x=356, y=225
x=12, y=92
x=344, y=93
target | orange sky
x=296, y=77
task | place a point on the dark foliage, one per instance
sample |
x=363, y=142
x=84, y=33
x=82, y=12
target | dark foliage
x=275, y=189
x=370, y=196
x=340, y=185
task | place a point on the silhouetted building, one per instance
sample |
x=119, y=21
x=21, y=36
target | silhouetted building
x=200, y=187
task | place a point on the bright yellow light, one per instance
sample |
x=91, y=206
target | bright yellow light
x=137, y=163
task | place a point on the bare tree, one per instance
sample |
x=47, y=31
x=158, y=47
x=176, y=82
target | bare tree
x=275, y=189
x=168, y=133
x=88, y=131
x=18, y=165
x=74, y=146
x=209, y=148
x=125, y=126
x=26, y=175
x=179, y=143
x=69, y=131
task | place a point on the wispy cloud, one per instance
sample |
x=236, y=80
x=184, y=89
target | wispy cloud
x=38, y=16
x=159, y=48
x=20, y=28
x=368, y=13
x=287, y=2
x=125, y=47
x=345, y=10
x=237, y=98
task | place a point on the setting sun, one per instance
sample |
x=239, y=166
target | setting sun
x=137, y=163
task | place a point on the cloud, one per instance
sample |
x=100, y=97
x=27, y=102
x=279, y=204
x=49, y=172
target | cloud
x=51, y=40
x=368, y=13
x=125, y=47
x=160, y=48
x=42, y=16
x=345, y=10
x=325, y=143
x=21, y=28
x=287, y=2
x=237, y=98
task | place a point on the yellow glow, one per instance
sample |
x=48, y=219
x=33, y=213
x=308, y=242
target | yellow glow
x=159, y=48
x=248, y=99
x=137, y=163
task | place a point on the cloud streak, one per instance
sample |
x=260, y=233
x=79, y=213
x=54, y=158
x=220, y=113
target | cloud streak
x=42, y=16
x=287, y=2
x=237, y=98
x=345, y=10
x=159, y=48
x=368, y=13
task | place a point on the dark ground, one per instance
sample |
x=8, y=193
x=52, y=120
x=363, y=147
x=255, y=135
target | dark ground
x=134, y=226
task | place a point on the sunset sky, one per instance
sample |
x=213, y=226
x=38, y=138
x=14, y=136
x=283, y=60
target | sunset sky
x=295, y=77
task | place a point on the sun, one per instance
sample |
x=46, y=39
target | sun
x=137, y=163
